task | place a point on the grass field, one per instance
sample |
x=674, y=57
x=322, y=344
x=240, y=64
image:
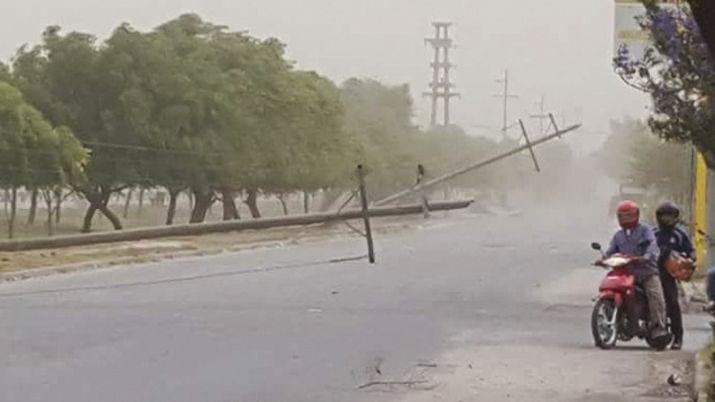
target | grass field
x=145, y=216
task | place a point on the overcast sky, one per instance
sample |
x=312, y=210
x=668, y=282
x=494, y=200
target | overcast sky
x=559, y=48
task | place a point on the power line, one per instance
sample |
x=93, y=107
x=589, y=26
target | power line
x=146, y=148
x=259, y=270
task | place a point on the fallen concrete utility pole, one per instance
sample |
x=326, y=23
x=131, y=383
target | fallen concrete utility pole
x=475, y=166
x=219, y=227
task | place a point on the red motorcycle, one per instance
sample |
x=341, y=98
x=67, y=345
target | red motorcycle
x=618, y=294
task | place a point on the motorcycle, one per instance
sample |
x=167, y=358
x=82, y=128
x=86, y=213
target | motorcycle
x=618, y=294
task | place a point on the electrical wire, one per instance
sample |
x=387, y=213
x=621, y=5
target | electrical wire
x=332, y=261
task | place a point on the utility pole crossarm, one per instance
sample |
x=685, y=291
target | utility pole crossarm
x=477, y=165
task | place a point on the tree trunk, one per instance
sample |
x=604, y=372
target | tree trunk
x=127, y=203
x=104, y=209
x=306, y=202
x=58, y=206
x=33, y=207
x=116, y=223
x=47, y=195
x=704, y=12
x=13, y=213
x=88, y=217
x=281, y=198
x=252, y=202
x=6, y=201
x=230, y=211
x=171, y=212
x=99, y=201
x=141, y=201
x=202, y=202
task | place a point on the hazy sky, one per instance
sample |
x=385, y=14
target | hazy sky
x=559, y=48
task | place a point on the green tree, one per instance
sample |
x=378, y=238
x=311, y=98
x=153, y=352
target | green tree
x=378, y=119
x=633, y=155
x=32, y=153
x=62, y=79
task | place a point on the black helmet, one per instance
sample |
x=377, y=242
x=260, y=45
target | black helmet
x=667, y=215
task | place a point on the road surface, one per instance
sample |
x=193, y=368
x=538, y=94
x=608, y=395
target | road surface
x=468, y=308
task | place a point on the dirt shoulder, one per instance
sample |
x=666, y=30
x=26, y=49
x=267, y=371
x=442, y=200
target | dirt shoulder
x=28, y=264
x=501, y=373
x=475, y=368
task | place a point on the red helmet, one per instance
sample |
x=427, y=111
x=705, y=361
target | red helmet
x=629, y=214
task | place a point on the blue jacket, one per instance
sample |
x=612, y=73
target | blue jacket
x=676, y=240
x=639, y=242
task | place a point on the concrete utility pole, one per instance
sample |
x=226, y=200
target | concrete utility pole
x=441, y=84
x=505, y=96
x=366, y=215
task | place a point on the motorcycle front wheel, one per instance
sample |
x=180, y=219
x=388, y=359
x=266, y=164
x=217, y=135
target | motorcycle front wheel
x=604, y=323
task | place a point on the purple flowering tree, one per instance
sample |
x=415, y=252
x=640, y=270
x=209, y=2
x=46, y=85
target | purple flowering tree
x=679, y=74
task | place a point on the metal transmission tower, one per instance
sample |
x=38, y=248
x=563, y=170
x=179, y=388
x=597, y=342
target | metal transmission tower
x=505, y=96
x=441, y=84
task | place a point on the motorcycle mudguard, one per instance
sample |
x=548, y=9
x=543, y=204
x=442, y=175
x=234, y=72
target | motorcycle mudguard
x=617, y=297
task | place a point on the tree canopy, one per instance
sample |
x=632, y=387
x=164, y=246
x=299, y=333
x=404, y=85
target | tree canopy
x=33, y=154
x=195, y=107
x=679, y=74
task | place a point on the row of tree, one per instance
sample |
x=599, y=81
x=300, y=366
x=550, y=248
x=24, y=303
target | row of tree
x=192, y=106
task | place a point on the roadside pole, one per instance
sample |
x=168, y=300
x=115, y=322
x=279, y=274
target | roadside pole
x=366, y=214
x=710, y=216
x=700, y=221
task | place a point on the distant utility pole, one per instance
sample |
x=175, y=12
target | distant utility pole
x=441, y=84
x=505, y=96
x=541, y=115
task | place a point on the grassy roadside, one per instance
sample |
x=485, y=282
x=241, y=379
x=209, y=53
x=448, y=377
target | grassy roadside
x=22, y=265
x=704, y=381
x=135, y=217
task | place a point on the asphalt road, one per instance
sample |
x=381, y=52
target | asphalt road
x=469, y=307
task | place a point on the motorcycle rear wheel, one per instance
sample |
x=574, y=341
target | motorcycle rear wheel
x=604, y=324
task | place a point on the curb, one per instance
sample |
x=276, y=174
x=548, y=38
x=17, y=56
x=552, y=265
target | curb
x=703, y=372
x=99, y=264
x=701, y=379
x=40, y=272
x=220, y=227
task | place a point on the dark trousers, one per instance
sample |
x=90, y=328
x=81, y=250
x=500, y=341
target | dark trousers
x=672, y=304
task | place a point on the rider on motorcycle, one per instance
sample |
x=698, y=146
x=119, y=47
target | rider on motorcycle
x=672, y=239
x=638, y=240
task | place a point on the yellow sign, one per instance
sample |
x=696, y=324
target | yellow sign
x=700, y=222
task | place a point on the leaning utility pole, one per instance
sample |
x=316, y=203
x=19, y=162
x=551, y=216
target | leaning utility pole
x=530, y=145
x=441, y=84
x=505, y=96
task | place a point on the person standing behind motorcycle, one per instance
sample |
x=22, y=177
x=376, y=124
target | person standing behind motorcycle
x=672, y=239
x=638, y=240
